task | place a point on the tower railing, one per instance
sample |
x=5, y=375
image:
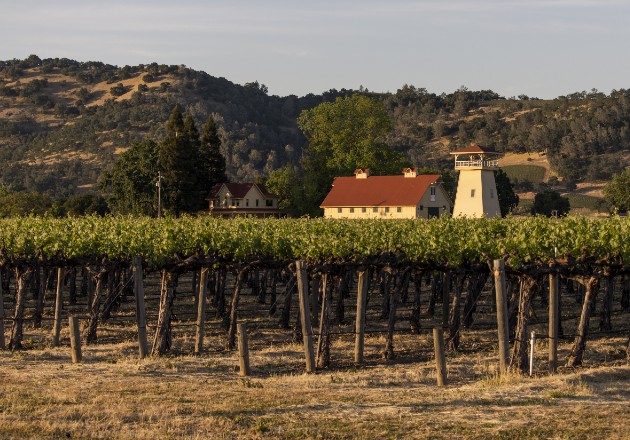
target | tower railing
x=485, y=163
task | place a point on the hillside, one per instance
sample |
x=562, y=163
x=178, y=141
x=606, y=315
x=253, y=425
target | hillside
x=63, y=122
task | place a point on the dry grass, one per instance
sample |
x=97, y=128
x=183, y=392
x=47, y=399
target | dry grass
x=112, y=394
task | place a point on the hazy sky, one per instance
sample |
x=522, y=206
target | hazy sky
x=542, y=48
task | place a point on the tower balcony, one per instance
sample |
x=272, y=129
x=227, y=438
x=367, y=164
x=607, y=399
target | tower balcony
x=477, y=164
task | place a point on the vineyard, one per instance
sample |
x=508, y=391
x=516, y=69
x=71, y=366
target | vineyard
x=411, y=276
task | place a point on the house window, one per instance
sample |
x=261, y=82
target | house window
x=492, y=194
x=387, y=209
x=399, y=209
x=351, y=210
x=472, y=193
x=238, y=203
x=432, y=190
x=246, y=202
x=374, y=209
x=339, y=210
x=269, y=202
x=256, y=202
x=363, y=209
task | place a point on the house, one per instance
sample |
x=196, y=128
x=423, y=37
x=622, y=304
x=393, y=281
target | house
x=409, y=195
x=476, y=188
x=242, y=199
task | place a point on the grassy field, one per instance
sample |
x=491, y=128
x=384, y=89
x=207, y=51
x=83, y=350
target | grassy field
x=525, y=173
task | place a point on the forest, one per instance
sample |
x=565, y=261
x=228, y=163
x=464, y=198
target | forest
x=64, y=122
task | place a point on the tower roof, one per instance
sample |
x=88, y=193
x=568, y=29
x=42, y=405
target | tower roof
x=475, y=149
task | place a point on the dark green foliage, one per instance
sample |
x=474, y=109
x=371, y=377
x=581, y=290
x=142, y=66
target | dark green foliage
x=617, y=192
x=130, y=185
x=178, y=158
x=550, y=203
x=508, y=200
x=13, y=204
x=212, y=162
x=119, y=89
x=85, y=204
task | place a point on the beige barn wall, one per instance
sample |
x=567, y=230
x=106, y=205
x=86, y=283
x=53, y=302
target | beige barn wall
x=484, y=203
x=406, y=212
x=441, y=200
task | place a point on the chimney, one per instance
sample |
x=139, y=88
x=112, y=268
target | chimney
x=362, y=173
x=410, y=172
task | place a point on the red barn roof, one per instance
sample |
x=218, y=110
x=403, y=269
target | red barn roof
x=378, y=191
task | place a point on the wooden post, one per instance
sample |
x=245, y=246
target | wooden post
x=141, y=316
x=75, y=339
x=362, y=291
x=554, y=315
x=58, y=308
x=2, y=346
x=440, y=358
x=307, y=330
x=201, y=311
x=446, y=300
x=243, y=350
x=532, y=344
x=502, y=315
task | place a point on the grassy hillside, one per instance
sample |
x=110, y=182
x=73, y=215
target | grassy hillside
x=62, y=122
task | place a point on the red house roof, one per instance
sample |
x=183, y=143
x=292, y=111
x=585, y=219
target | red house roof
x=378, y=191
x=473, y=149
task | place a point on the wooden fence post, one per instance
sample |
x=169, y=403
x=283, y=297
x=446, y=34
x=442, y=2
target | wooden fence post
x=502, y=314
x=532, y=352
x=305, y=314
x=58, y=308
x=243, y=350
x=446, y=300
x=201, y=311
x=554, y=315
x=2, y=345
x=141, y=316
x=75, y=339
x=440, y=358
x=362, y=290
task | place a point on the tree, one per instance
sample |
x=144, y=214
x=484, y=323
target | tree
x=550, y=203
x=344, y=135
x=349, y=133
x=617, y=192
x=212, y=160
x=288, y=185
x=508, y=199
x=130, y=185
x=85, y=204
x=178, y=159
x=14, y=204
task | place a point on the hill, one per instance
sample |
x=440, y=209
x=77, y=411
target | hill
x=62, y=122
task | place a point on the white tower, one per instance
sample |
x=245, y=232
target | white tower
x=476, y=188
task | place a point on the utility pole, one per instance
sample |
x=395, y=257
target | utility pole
x=159, y=189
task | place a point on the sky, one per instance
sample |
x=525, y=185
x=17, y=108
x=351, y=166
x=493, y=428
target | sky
x=539, y=48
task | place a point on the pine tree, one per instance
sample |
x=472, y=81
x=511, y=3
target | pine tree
x=211, y=157
x=179, y=161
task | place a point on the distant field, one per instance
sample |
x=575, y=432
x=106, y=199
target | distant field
x=525, y=173
x=588, y=202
